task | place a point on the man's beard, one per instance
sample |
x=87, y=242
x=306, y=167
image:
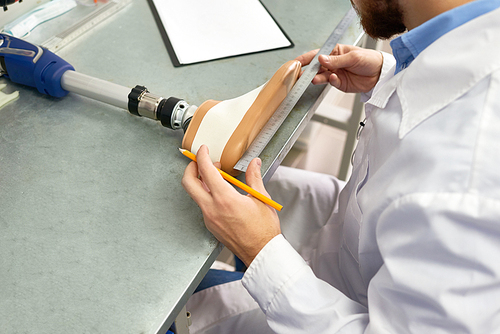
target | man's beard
x=380, y=18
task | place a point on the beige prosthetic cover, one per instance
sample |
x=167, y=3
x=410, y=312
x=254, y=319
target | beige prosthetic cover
x=230, y=126
x=219, y=124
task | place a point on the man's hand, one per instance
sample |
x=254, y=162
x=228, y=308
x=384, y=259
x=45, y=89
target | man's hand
x=348, y=68
x=242, y=223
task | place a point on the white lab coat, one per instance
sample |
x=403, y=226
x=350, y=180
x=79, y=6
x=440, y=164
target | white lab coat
x=414, y=246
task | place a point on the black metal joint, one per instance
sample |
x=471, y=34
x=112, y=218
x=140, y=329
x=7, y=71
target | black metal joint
x=134, y=97
x=165, y=110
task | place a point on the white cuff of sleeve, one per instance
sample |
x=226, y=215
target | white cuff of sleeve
x=388, y=64
x=275, y=265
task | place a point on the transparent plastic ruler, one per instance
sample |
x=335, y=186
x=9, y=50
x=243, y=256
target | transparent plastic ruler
x=265, y=135
x=101, y=13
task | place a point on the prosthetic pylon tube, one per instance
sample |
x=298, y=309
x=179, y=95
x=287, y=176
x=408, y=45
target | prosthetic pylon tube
x=229, y=127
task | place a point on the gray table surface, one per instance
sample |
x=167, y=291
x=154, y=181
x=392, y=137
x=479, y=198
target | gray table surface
x=96, y=232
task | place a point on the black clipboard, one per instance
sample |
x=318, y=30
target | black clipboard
x=171, y=50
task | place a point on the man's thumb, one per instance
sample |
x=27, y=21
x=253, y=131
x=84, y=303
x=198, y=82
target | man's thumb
x=336, y=62
x=254, y=177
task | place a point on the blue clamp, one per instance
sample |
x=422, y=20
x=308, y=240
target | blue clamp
x=31, y=65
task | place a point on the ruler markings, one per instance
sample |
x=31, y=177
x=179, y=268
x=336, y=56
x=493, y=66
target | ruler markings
x=272, y=126
x=102, y=12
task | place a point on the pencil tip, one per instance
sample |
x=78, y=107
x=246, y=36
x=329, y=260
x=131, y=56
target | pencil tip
x=181, y=150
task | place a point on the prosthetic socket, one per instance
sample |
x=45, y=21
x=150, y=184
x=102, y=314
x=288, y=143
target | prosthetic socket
x=229, y=127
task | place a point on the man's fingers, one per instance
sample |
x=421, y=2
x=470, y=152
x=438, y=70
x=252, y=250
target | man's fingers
x=338, y=51
x=306, y=58
x=337, y=62
x=209, y=173
x=321, y=78
x=335, y=81
x=253, y=176
x=193, y=185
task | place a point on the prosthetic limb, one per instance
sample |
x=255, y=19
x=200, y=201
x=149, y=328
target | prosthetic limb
x=229, y=127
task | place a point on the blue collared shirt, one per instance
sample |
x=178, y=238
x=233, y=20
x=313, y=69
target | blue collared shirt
x=407, y=47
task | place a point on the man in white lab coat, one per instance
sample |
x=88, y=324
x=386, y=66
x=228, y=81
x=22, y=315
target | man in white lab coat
x=412, y=242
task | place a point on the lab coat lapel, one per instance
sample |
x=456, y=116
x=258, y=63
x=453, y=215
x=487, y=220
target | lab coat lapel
x=438, y=75
x=443, y=72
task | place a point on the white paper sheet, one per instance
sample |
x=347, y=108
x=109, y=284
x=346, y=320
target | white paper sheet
x=201, y=30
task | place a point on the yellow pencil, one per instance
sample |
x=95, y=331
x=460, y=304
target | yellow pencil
x=239, y=184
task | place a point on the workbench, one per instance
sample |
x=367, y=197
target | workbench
x=97, y=234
